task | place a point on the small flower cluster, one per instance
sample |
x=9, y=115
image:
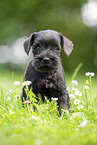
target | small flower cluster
x=90, y=74
x=18, y=83
x=77, y=102
x=86, y=87
x=74, y=89
x=75, y=95
x=25, y=83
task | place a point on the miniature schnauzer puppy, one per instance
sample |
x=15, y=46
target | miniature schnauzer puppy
x=45, y=70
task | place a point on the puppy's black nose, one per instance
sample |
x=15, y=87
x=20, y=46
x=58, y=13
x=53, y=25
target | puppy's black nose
x=46, y=60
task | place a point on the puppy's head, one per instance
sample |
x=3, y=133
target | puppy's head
x=46, y=47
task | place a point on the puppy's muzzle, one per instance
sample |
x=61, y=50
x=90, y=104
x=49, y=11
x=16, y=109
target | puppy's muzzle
x=46, y=63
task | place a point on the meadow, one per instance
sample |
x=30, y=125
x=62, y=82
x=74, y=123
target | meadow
x=23, y=126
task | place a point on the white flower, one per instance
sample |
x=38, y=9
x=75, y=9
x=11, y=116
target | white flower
x=8, y=98
x=35, y=118
x=26, y=102
x=74, y=89
x=80, y=107
x=72, y=96
x=26, y=83
x=74, y=82
x=76, y=129
x=17, y=96
x=54, y=99
x=86, y=87
x=16, y=83
x=90, y=74
x=87, y=73
x=11, y=112
x=78, y=93
x=76, y=102
x=66, y=111
x=70, y=117
x=84, y=123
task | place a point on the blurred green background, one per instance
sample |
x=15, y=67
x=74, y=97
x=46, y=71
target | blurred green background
x=20, y=18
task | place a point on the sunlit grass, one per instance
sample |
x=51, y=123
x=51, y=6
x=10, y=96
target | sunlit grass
x=20, y=125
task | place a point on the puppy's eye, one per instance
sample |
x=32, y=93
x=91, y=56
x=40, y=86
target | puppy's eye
x=37, y=46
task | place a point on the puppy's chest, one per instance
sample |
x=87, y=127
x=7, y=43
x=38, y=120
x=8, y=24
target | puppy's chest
x=48, y=81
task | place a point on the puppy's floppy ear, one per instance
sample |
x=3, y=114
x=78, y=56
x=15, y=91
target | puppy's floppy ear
x=28, y=43
x=67, y=45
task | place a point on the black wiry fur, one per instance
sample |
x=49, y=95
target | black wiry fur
x=45, y=70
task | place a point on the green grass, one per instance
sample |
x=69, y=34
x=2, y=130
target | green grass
x=23, y=126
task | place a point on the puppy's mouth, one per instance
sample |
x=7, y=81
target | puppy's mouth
x=45, y=68
x=45, y=64
x=42, y=67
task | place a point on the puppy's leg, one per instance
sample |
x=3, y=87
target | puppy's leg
x=63, y=102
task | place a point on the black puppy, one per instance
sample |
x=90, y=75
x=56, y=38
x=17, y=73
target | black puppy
x=45, y=70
